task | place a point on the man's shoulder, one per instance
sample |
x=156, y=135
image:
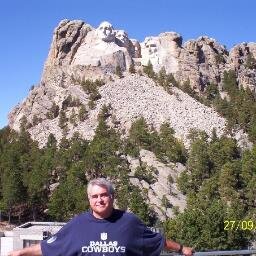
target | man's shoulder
x=128, y=216
x=82, y=216
x=78, y=219
x=131, y=215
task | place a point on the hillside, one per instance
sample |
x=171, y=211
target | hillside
x=173, y=125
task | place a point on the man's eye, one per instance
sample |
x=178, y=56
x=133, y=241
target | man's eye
x=104, y=195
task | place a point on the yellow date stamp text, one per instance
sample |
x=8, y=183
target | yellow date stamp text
x=239, y=225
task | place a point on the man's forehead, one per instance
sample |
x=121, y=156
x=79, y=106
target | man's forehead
x=98, y=188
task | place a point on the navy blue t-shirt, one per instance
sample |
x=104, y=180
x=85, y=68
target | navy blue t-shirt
x=120, y=234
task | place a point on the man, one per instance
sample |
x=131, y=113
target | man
x=103, y=231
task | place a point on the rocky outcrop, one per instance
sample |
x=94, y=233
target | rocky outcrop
x=201, y=61
x=165, y=184
x=242, y=59
x=77, y=43
x=67, y=38
x=80, y=51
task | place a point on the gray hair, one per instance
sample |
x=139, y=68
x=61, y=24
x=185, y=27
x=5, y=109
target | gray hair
x=101, y=182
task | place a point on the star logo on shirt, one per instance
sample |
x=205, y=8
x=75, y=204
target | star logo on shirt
x=104, y=236
x=51, y=240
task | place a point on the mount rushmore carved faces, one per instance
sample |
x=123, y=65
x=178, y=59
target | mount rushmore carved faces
x=105, y=31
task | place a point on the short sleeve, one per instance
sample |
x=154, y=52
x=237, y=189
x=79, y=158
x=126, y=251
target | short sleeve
x=153, y=243
x=58, y=244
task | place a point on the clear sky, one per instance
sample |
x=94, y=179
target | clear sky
x=27, y=28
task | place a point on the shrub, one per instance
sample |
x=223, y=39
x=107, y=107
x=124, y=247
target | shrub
x=119, y=72
x=132, y=68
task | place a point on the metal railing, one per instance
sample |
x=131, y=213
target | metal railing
x=212, y=253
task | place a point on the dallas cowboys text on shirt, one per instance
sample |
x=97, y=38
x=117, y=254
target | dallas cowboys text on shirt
x=103, y=246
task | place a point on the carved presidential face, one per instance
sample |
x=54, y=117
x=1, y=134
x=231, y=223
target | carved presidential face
x=151, y=44
x=137, y=48
x=105, y=31
x=122, y=36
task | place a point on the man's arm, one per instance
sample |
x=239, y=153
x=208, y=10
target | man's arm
x=171, y=245
x=34, y=250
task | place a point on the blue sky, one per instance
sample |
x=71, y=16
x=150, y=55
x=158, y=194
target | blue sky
x=27, y=28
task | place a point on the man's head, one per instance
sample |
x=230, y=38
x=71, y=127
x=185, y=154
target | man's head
x=101, y=197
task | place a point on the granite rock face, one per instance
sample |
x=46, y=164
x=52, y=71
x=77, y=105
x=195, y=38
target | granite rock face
x=162, y=51
x=67, y=38
x=242, y=60
x=162, y=187
x=201, y=61
x=104, y=47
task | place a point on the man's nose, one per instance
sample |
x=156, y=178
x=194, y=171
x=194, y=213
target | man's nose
x=100, y=198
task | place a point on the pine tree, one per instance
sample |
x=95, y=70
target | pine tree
x=132, y=68
x=211, y=91
x=198, y=163
x=64, y=205
x=13, y=191
x=101, y=154
x=161, y=78
x=36, y=182
x=54, y=111
x=138, y=205
x=62, y=119
x=83, y=113
x=149, y=71
x=118, y=71
x=51, y=141
x=170, y=148
x=72, y=118
x=139, y=134
x=250, y=61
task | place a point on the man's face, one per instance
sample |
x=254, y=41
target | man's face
x=101, y=202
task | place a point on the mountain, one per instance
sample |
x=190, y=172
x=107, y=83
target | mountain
x=79, y=52
x=88, y=69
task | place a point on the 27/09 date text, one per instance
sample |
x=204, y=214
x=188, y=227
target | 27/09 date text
x=239, y=225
